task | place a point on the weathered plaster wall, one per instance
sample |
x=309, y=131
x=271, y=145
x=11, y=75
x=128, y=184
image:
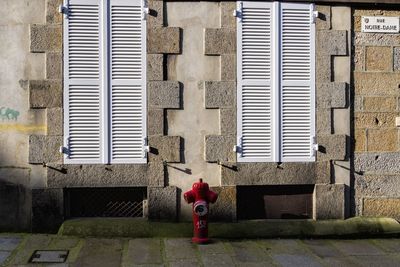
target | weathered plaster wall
x=376, y=105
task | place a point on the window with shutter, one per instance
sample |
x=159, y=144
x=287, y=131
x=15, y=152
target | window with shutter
x=104, y=81
x=275, y=82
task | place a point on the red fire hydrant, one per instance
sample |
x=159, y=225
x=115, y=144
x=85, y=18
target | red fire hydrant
x=200, y=196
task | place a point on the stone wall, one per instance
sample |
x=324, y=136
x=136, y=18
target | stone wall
x=376, y=105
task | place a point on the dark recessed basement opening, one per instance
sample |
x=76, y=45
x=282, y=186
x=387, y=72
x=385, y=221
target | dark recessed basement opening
x=104, y=202
x=274, y=202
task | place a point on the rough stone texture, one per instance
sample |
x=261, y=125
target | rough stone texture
x=47, y=209
x=44, y=149
x=46, y=38
x=54, y=117
x=378, y=185
x=219, y=94
x=52, y=14
x=54, y=65
x=376, y=83
x=358, y=58
x=228, y=67
x=374, y=119
x=228, y=121
x=164, y=94
x=387, y=207
x=227, y=19
x=143, y=251
x=331, y=147
x=45, y=94
x=219, y=41
x=358, y=103
x=225, y=207
x=360, y=136
x=324, y=19
x=378, y=58
x=274, y=174
x=155, y=68
x=380, y=103
x=323, y=67
x=156, y=13
x=163, y=40
x=323, y=171
x=163, y=203
x=329, y=201
x=382, y=139
x=219, y=148
x=331, y=95
x=396, y=59
x=331, y=43
x=324, y=121
x=92, y=175
x=155, y=118
x=377, y=163
x=165, y=148
x=376, y=39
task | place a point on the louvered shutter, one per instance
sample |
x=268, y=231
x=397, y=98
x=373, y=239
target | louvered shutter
x=83, y=82
x=297, y=82
x=254, y=81
x=128, y=81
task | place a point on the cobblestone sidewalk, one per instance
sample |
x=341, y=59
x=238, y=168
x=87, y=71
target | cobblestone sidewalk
x=16, y=250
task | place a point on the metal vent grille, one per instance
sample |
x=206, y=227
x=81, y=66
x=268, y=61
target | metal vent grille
x=105, y=202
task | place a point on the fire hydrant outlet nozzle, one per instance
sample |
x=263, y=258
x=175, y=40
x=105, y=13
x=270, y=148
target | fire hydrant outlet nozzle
x=200, y=196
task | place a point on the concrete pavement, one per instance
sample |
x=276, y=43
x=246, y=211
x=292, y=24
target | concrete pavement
x=16, y=250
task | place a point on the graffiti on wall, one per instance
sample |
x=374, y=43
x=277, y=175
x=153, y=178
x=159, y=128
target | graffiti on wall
x=8, y=114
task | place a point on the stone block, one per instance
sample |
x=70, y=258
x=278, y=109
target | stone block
x=378, y=58
x=98, y=175
x=225, y=207
x=46, y=38
x=47, y=210
x=165, y=148
x=323, y=69
x=396, y=59
x=360, y=136
x=52, y=14
x=219, y=41
x=54, y=66
x=228, y=121
x=380, y=104
x=324, y=121
x=164, y=94
x=382, y=140
x=219, y=148
x=271, y=173
x=377, y=163
x=376, y=39
x=358, y=103
x=324, y=19
x=376, y=83
x=45, y=94
x=54, y=117
x=331, y=95
x=155, y=119
x=156, y=14
x=155, y=174
x=377, y=185
x=219, y=94
x=329, y=202
x=374, y=119
x=331, y=43
x=163, y=203
x=163, y=40
x=359, y=58
x=332, y=147
x=227, y=19
x=155, y=67
x=45, y=149
x=323, y=171
x=378, y=207
x=376, y=12
x=228, y=67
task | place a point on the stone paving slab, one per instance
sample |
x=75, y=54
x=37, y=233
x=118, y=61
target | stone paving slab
x=322, y=248
x=142, y=251
x=9, y=243
x=3, y=256
x=179, y=248
x=389, y=245
x=357, y=247
x=289, y=260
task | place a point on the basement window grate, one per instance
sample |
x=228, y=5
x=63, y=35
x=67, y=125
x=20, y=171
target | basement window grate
x=105, y=202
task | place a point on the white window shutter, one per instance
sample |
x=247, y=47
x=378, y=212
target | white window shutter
x=297, y=82
x=128, y=81
x=83, y=82
x=254, y=82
